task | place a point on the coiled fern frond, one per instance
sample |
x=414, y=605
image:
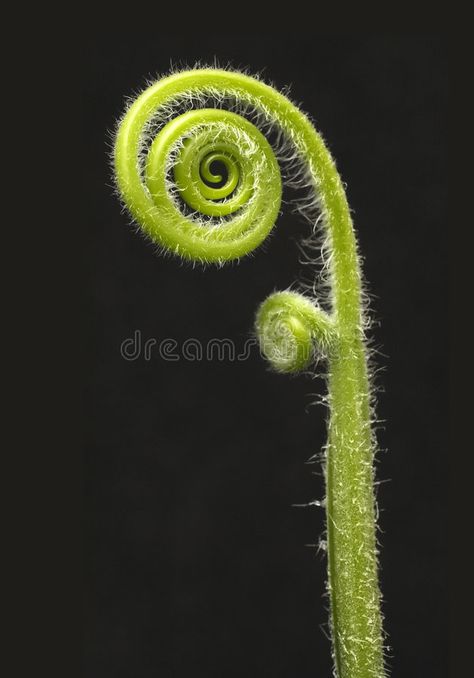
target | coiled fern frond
x=196, y=170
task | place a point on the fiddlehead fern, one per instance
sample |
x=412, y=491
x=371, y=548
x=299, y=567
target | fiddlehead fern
x=204, y=183
x=241, y=203
x=290, y=327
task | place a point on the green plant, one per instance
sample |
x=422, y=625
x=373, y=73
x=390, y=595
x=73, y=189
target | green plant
x=195, y=170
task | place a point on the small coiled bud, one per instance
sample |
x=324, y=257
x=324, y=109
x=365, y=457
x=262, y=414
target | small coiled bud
x=290, y=328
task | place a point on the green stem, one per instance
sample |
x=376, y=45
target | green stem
x=352, y=562
x=350, y=502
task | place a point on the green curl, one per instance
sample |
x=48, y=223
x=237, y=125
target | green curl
x=290, y=327
x=187, y=146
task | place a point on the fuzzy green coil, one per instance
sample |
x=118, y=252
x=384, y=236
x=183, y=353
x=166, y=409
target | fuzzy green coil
x=194, y=142
x=204, y=183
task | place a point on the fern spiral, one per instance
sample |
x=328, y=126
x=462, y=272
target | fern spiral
x=197, y=173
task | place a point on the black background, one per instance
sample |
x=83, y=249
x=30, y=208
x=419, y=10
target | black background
x=196, y=561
